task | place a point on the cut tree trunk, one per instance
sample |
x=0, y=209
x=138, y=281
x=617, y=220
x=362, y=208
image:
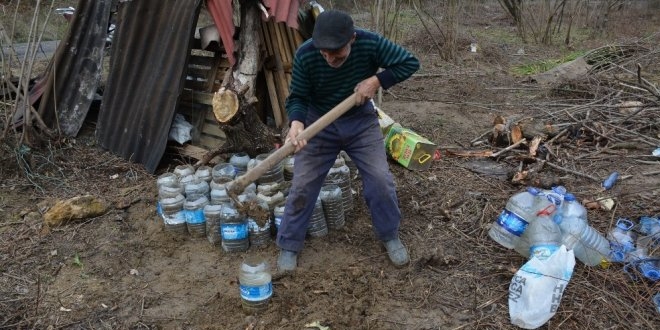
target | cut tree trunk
x=245, y=131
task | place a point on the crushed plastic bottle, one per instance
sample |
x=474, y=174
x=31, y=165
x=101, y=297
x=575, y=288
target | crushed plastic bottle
x=545, y=204
x=639, y=260
x=544, y=236
x=622, y=239
x=589, y=246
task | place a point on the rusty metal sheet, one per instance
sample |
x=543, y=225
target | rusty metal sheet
x=150, y=50
x=73, y=79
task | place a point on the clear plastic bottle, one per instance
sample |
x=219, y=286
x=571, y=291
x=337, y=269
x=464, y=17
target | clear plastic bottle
x=318, y=227
x=259, y=231
x=622, y=239
x=204, y=173
x=544, y=204
x=639, y=259
x=194, y=213
x=587, y=243
x=223, y=173
x=184, y=170
x=240, y=162
x=278, y=214
x=544, y=236
x=256, y=285
x=212, y=216
x=233, y=229
x=514, y=219
x=333, y=208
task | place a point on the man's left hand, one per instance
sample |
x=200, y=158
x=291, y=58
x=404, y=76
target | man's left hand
x=366, y=90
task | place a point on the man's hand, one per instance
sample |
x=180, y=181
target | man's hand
x=366, y=90
x=296, y=128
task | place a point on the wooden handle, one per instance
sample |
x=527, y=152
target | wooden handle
x=238, y=185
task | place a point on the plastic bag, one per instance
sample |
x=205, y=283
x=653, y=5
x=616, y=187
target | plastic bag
x=536, y=289
x=180, y=130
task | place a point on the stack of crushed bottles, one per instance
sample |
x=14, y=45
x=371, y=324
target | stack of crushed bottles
x=537, y=222
x=194, y=202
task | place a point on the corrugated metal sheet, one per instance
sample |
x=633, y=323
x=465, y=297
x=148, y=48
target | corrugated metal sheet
x=71, y=84
x=147, y=69
x=283, y=11
x=221, y=11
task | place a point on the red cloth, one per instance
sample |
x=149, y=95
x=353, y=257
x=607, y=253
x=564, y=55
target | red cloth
x=221, y=11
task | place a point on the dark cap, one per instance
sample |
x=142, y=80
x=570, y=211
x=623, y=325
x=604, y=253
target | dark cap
x=333, y=30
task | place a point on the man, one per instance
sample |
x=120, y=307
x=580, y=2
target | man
x=336, y=62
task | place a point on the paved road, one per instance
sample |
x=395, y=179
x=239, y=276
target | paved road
x=44, y=51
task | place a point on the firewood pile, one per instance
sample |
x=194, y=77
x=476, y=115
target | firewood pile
x=613, y=112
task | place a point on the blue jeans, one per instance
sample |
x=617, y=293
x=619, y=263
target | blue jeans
x=360, y=136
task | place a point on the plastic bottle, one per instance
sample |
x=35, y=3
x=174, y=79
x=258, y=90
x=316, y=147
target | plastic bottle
x=333, y=209
x=184, y=170
x=544, y=204
x=589, y=246
x=223, y=173
x=194, y=213
x=196, y=189
x=278, y=214
x=233, y=229
x=288, y=168
x=544, y=237
x=255, y=283
x=239, y=161
x=650, y=228
x=212, y=216
x=204, y=173
x=610, y=181
x=622, y=239
x=318, y=227
x=259, y=232
x=640, y=260
x=515, y=217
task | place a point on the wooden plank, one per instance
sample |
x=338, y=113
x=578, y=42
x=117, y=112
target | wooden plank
x=205, y=61
x=274, y=101
x=212, y=128
x=281, y=45
x=193, y=96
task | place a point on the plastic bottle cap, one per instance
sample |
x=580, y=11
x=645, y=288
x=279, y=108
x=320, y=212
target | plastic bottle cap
x=533, y=191
x=569, y=197
x=624, y=224
x=561, y=190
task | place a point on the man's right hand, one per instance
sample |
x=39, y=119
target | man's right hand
x=296, y=128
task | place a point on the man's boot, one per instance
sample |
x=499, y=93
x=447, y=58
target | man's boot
x=397, y=252
x=287, y=260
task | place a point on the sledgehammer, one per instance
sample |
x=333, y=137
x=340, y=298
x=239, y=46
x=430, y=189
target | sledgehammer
x=236, y=186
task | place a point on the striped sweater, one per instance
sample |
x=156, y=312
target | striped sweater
x=317, y=86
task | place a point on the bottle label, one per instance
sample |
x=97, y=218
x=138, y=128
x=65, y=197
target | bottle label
x=512, y=222
x=256, y=293
x=254, y=227
x=233, y=231
x=195, y=216
x=542, y=251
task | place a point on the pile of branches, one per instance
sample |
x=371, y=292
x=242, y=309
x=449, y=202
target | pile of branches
x=619, y=117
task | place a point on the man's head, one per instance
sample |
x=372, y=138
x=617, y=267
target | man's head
x=333, y=34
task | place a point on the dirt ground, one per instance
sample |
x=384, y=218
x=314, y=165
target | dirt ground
x=122, y=270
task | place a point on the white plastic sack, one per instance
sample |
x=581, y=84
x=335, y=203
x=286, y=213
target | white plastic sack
x=180, y=130
x=536, y=289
